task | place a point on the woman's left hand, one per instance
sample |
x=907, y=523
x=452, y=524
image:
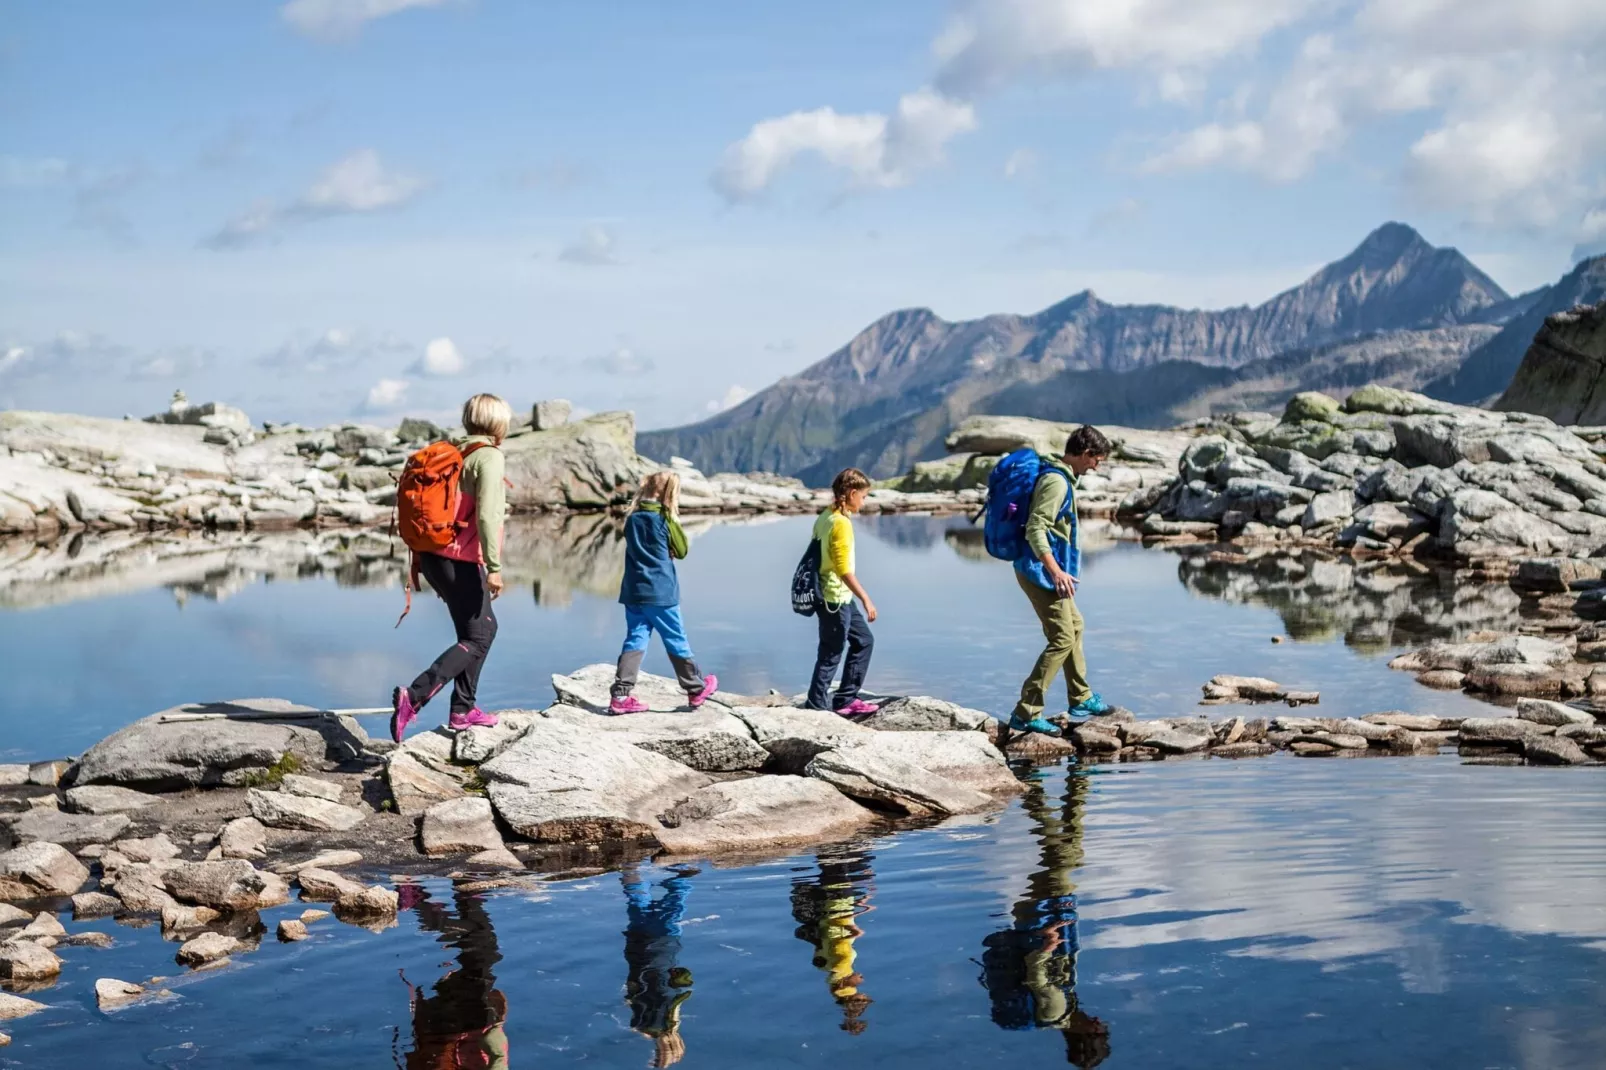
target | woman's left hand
x=493, y=583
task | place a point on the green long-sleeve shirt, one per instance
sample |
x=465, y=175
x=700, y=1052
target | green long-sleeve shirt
x=1047, y=501
x=484, y=475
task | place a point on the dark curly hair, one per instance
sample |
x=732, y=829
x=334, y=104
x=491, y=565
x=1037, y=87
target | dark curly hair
x=1087, y=441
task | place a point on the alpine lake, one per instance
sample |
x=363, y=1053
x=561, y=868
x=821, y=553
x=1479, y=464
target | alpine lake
x=1277, y=912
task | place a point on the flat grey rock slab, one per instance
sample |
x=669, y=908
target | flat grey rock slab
x=276, y=809
x=922, y=713
x=459, y=827
x=710, y=740
x=559, y=783
x=69, y=830
x=107, y=799
x=588, y=688
x=760, y=813
x=880, y=779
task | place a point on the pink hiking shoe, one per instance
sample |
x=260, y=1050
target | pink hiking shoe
x=628, y=704
x=404, y=714
x=710, y=685
x=857, y=707
x=475, y=718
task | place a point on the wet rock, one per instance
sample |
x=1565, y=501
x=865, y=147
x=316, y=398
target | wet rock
x=1166, y=738
x=157, y=848
x=98, y=940
x=881, y=779
x=495, y=858
x=40, y=869
x=106, y=799
x=10, y=915
x=1415, y=722
x=12, y=1007
x=322, y=860
x=1497, y=729
x=323, y=886
x=350, y=897
x=279, y=810
x=244, y=837
x=208, y=947
x=459, y=826
x=1383, y=737
x=712, y=741
x=560, y=783
x=1335, y=740
x=1516, y=679
x=177, y=917
x=1558, y=574
x=1095, y=741
x=1585, y=735
x=1553, y=750
x=69, y=830
x=1228, y=688
x=310, y=787
x=28, y=961
x=44, y=926
x=1542, y=711
x=760, y=812
x=1242, y=750
x=111, y=993
x=158, y=755
x=1229, y=731
x=231, y=885
x=309, y=916
x=1442, y=679
x=291, y=930
x=1309, y=748
x=921, y=713
x=1030, y=746
x=141, y=888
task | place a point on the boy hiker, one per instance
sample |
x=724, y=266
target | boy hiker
x=1048, y=572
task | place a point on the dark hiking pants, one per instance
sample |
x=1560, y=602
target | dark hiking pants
x=841, y=629
x=461, y=585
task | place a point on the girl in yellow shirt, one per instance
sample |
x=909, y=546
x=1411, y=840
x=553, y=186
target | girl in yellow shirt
x=842, y=625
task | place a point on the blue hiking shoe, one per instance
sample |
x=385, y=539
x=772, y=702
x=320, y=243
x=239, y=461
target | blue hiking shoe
x=1091, y=706
x=1036, y=724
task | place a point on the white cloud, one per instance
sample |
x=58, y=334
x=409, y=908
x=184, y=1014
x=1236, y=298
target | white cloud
x=13, y=358
x=441, y=358
x=333, y=350
x=333, y=20
x=356, y=184
x=596, y=247
x=1022, y=163
x=170, y=364
x=387, y=395
x=735, y=394
x=877, y=151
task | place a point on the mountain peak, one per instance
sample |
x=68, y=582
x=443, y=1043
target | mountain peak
x=1390, y=242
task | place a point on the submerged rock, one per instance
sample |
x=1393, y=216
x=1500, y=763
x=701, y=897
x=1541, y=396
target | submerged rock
x=208, y=947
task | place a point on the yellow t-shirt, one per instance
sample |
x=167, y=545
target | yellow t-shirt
x=835, y=532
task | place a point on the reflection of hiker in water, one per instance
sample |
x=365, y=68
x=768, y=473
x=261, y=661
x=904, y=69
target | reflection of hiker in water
x=1029, y=969
x=458, y=1026
x=825, y=909
x=656, y=986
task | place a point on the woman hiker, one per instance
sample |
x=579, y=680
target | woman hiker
x=650, y=593
x=467, y=573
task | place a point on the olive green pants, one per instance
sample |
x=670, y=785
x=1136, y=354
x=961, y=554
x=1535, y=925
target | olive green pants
x=1062, y=627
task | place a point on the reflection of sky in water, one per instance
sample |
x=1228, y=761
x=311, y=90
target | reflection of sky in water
x=1275, y=912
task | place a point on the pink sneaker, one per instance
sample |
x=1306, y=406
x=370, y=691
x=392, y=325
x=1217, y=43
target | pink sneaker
x=475, y=718
x=404, y=714
x=856, y=707
x=628, y=704
x=710, y=685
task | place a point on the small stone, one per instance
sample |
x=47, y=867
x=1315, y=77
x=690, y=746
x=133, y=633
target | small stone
x=1442, y=679
x=310, y=787
x=371, y=901
x=496, y=858
x=10, y=915
x=1553, y=750
x=48, y=774
x=208, y=947
x=178, y=917
x=311, y=915
x=110, y=992
x=459, y=826
x=232, y=885
x=1242, y=750
x=1276, y=638
x=1302, y=698
x=1544, y=711
x=244, y=837
x=291, y=930
x=88, y=939
x=322, y=860
x=28, y=961
x=279, y=810
x=42, y=926
x=157, y=848
x=40, y=869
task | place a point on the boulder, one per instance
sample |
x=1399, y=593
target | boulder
x=310, y=787
x=28, y=961
x=69, y=830
x=921, y=713
x=1542, y=711
x=1415, y=722
x=1227, y=688
x=244, y=837
x=1497, y=729
x=1332, y=507
x=416, y=786
x=1167, y=738
x=882, y=780
x=12, y=1007
x=161, y=755
x=106, y=799
x=1095, y=740
x=40, y=869
x=45, y=926
x=710, y=740
x=142, y=888
x=181, y=917
x=760, y=813
x=793, y=736
x=291, y=930
x=551, y=414
x=349, y=896
x=459, y=827
x=965, y=757
x=281, y=811
x=229, y=885
x=471, y=746
x=1560, y=373
x=10, y=915
x=586, y=463
x=1310, y=405
x=157, y=848
x=559, y=783
x=1553, y=750
x=588, y=689
x=208, y=947
x=111, y=993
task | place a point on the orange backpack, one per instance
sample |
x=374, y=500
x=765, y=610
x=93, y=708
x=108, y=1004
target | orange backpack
x=427, y=500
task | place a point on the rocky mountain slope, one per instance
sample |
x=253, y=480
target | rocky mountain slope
x=1489, y=369
x=1563, y=375
x=891, y=395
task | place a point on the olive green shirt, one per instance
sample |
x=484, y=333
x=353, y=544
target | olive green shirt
x=1047, y=501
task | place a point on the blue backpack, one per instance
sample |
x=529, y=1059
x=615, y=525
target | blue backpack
x=1009, y=502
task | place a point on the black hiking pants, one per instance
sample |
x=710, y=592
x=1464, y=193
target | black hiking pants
x=843, y=628
x=461, y=585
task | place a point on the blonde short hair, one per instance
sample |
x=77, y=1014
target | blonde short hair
x=487, y=414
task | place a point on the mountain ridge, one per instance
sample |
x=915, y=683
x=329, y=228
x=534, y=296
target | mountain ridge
x=888, y=397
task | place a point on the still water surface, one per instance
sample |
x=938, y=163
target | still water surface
x=1268, y=913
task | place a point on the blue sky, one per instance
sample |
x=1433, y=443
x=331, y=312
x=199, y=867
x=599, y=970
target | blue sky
x=333, y=209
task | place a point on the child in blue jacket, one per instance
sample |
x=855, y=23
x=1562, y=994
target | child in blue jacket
x=651, y=594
